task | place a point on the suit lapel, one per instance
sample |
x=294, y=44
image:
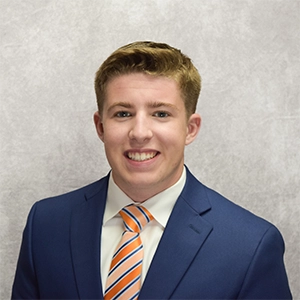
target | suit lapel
x=184, y=235
x=85, y=241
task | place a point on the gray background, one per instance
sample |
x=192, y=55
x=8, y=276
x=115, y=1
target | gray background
x=248, y=149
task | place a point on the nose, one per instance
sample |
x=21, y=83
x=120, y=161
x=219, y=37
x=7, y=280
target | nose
x=140, y=130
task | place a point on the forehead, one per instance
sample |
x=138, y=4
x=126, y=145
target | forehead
x=145, y=85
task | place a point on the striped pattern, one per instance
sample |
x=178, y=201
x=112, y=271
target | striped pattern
x=124, y=277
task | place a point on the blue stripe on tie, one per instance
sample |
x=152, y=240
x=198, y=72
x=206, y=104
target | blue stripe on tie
x=125, y=244
x=135, y=295
x=127, y=287
x=134, y=218
x=122, y=276
x=128, y=228
x=125, y=258
x=143, y=212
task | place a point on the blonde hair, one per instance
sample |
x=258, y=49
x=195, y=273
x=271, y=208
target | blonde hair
x=155, y=59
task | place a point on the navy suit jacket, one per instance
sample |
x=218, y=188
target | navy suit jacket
x=210, y=249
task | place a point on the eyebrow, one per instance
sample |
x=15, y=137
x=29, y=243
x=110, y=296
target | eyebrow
x=155, y=104
x=121, y=104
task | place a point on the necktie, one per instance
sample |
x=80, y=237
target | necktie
x=124, y=277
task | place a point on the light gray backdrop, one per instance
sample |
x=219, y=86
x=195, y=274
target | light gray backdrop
x=247, y=53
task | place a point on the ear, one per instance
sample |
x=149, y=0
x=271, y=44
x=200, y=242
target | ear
x=99, y=125
x=193, y=127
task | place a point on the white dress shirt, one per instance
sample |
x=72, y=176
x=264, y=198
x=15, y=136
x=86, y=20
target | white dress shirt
x=160, y=206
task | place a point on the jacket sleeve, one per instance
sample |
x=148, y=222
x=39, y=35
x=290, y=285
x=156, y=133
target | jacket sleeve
x=266, y=277
x=25, y=284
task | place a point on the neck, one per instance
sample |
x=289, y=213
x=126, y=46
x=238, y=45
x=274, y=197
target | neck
x=140, y=193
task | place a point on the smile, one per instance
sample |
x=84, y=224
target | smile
x=137, y=156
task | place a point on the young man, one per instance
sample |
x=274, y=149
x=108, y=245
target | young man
x=188, y=242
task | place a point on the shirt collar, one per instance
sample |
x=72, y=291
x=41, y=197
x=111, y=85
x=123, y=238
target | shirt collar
x=160, y=205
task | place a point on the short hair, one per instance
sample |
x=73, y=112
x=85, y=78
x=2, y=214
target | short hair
x=155, y=59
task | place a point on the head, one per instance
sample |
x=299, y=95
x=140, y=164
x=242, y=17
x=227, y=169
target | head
x=155, y=59
x=147, y=95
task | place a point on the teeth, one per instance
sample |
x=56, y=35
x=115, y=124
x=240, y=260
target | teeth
x=141, y=156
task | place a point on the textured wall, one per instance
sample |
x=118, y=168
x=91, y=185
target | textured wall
x=248, y=149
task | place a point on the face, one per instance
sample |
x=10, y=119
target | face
x=144, y=130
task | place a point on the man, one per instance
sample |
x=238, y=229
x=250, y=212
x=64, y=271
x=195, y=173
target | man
x=190, y=242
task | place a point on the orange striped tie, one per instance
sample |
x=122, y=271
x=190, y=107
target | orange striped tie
x=124, y=277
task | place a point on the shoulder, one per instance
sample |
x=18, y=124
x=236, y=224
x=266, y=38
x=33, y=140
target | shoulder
x=238, y=223
x=228, y=218
x=64, y=203
x=233, y=214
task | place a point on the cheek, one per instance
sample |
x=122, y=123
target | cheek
x=113, y=134
x=174, y=135
x=173, y=142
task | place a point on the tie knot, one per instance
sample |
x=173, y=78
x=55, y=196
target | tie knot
x=135, y=217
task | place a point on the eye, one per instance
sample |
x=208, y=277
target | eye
x=161, y=114
x=122, y=114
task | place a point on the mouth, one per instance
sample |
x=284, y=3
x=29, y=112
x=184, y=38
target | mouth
x=141, y=156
